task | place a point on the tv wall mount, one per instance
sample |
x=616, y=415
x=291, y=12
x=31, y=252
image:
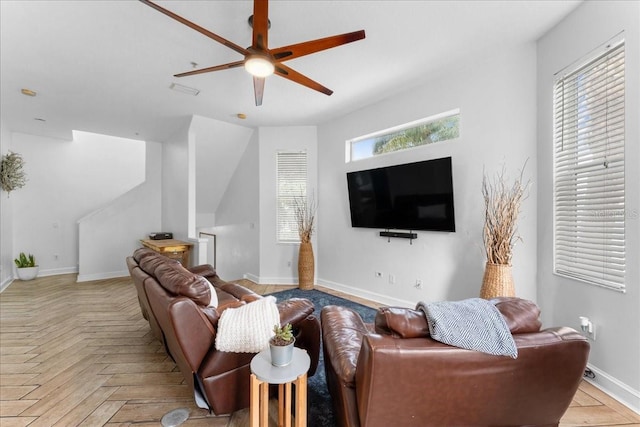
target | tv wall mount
x=399, y=234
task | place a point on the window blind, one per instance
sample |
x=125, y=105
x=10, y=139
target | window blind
x=589, y=189
x=292, y=184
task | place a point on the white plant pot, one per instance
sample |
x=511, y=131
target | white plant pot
x=27, y=273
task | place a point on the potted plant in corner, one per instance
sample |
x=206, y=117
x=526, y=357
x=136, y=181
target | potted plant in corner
x=502, y=207
x=281, y=345
x=26, y=266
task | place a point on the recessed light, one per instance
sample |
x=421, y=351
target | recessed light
x=28, y=92
x=241, y=116
x=184, y=89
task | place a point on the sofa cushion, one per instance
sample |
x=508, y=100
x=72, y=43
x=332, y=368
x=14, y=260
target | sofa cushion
x=150, y=262
x=521, y=316
x=179, y=281
x=140, y=253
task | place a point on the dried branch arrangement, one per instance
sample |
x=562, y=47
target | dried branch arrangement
x=502, y=207
x=12, y=176
x=305, y=217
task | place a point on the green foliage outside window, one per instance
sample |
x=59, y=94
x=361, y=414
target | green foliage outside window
x=427, y=133
x=415, y=134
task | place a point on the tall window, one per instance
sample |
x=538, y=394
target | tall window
x=421, y=132
x=292, y=184
x=589, y=190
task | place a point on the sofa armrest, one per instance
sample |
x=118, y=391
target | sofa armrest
x=294, y=310
x=342, y=333
x=204, y=270
x=238, y=291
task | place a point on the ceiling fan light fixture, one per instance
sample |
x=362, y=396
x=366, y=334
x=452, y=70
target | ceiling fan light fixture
x=259, y=66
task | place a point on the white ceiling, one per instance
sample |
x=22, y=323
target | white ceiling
x=105, y=66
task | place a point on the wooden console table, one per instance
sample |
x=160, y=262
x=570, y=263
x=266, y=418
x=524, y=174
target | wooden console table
x=172, y=248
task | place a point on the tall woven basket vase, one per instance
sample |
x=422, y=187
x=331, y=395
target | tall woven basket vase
x=497, y=281
x=306, y=266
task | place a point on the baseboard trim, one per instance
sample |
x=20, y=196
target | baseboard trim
x=615, y=388
x=372, y=296
x=102, y=276
x=5, y=284
x=57, y=271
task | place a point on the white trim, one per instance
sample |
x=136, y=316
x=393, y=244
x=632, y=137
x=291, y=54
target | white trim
x=371, y=296
x=252, y=277
x=102, y=276
x=4, y=285
x=623, y=393
x=57, y=271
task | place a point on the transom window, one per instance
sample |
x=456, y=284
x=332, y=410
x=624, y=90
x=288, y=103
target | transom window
x=432, y=129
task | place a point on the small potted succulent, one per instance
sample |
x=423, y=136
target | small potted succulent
x=26, y=266
x=281, y=345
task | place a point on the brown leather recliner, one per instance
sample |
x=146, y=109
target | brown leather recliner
x=392, y=373
x=174, y=301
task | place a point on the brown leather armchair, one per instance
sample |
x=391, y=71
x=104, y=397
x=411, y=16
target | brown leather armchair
x=175, y=302
x=392, y=373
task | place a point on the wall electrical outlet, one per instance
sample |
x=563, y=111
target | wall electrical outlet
x=392, y=279
x=588, y=328
x=418, y=284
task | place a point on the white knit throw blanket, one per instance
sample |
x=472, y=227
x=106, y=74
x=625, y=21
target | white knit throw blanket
x=247, y=329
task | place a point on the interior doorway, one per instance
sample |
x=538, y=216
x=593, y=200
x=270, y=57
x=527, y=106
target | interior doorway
x=211, y=247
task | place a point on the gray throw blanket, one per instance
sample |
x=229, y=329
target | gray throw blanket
x=474, y=324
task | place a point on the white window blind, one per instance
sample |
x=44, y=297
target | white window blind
x=589, y=190
x=292, y=184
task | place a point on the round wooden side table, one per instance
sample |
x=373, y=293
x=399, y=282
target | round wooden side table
x=294, y=374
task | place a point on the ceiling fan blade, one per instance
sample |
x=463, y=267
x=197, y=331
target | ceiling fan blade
x=305, y=48
x=210, y=69
x=198, y=28
x=294, y=76
x=258, y=89
x=260, y=24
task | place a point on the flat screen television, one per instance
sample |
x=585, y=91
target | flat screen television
x=412, y=196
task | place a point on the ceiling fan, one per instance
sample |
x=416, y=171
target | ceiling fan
x=259, y=60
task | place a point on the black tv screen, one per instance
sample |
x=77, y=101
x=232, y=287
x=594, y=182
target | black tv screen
x=412, y=196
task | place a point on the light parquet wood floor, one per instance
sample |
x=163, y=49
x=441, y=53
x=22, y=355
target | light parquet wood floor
x=80, y=354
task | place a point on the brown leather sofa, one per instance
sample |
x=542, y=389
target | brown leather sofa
x=175, y=302
x=392, y=373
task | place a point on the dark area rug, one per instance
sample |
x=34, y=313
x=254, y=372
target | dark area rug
x=319, y=406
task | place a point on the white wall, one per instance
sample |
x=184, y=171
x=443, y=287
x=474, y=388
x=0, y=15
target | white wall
x=497, y=126
x=177, y=200
x=108, y=235
x=615, y=355
x=279, y=262
x=219, y=147
x=238, y=219
x=66, y=181
x=6, y=220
